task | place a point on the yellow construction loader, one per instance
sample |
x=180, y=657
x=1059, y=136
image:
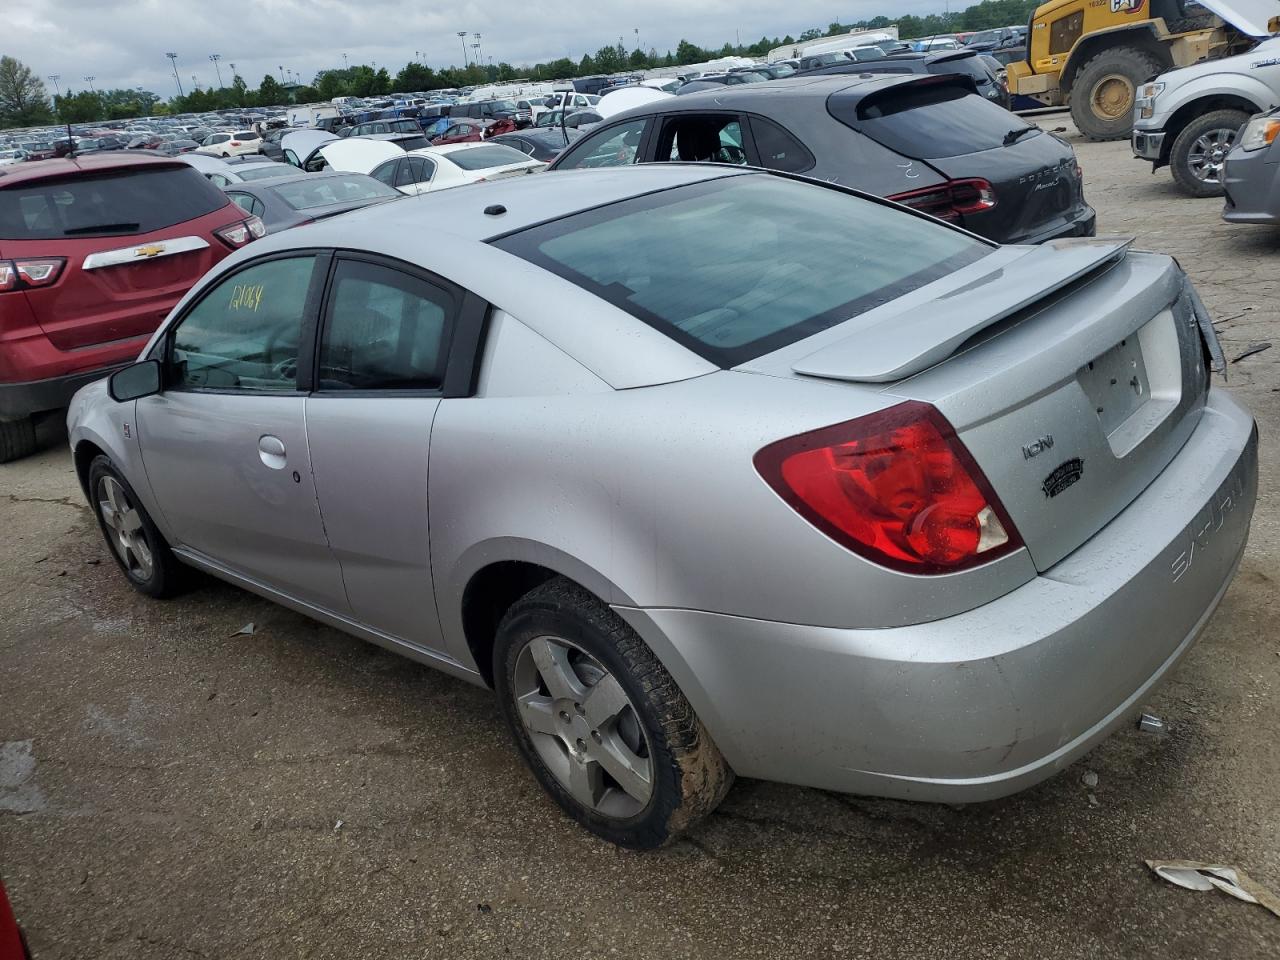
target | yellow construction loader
x=1093, y=54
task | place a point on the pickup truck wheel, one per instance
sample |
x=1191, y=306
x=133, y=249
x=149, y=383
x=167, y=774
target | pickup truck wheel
x=1200, y=150
x=1104, y=90
x=601, y=722
x=17, y=439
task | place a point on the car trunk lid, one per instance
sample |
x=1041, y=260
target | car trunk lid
x=1071, y=400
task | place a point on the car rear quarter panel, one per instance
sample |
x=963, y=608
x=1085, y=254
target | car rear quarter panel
x=649, y=497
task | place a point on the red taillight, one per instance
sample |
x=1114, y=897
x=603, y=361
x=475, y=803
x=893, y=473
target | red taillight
x=897, y=487
x=41, y=272
x=951, y=200
x=238, y=234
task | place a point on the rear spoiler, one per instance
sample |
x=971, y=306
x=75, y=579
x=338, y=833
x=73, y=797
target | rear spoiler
x=927, y=331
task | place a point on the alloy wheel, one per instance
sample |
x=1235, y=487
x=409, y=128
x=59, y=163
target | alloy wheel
x=1208, y=153
x=584, y=727
x=124, y=526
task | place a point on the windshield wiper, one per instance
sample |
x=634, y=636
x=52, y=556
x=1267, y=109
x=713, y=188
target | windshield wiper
x=104, y=227
x=1013, y=136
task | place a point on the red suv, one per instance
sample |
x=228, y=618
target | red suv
x=94, y=253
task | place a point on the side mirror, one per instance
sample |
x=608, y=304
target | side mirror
x=140, y=380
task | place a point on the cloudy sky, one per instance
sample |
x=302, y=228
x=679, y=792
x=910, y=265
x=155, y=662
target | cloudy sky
x=124, y=44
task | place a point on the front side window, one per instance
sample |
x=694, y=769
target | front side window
x=384, y=330
x=243, y=335
x=702, y=139
x=736, y=267
x=615, y=147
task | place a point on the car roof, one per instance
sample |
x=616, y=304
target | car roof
x=748, y=96
x=527, y=201
x=69, y=166
x=252, y=186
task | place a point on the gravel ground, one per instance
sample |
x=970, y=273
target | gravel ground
x=169, y=789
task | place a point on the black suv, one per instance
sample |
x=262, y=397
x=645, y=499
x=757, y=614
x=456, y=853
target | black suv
x=928, y=142
x=965, y=63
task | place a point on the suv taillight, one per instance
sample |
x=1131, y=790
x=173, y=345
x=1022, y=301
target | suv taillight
x=951, y=200
x=897, y=487
x=238, y=234
x=36, y=272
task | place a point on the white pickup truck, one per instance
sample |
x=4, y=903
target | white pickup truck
x=1187, y=118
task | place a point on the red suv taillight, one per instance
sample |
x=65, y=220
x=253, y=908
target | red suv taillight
x=238, y=234
x=897, y=487
x=951, y=200
x=38, y=272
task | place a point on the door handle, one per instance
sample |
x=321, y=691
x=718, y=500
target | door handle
x=271, y=451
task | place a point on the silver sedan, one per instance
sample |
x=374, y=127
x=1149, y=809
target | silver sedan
x=705, y=471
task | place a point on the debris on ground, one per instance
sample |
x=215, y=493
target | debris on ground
x=1206, y=876
x=1252, y=349
x=1089, y=779
x=338, y=826
x=247, y=630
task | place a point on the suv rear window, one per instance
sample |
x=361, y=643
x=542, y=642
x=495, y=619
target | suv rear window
x=928, y=121
x=736, y=267
x=967, y=65
x=107, y=205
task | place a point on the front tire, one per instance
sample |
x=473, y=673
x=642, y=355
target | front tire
x=136, y=544
x=1103, y=92
x=1199, y=151
x=601, y=722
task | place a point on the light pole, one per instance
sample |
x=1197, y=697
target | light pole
x=89, y=81
x=281, y=69
x=55, y=77
x=479, y=52
x=173, y=59
x=215, y=57
x=462, y=35
x=344, y=62
x=233, y=73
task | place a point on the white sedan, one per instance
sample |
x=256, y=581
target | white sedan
x=429, y=168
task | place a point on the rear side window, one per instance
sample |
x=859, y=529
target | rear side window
x=384, y=330
x=736, y=267
x=927, y=121
x=778, y=149
x=107, y=205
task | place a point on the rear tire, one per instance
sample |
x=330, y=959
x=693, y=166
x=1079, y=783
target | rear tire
x=585, y=698
x=17, y=439
x=136, y=545
x=1103, y=92
x=1198, y=152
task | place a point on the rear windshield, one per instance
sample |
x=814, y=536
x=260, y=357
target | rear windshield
x=265, y=172
x=490, y=155
x=412, y=143
x=326, y=191
x=737, y=267
x=109, y=204
x=928, y=121
x=966, y=66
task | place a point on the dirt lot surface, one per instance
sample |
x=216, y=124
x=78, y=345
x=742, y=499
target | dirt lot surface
x=169, y=789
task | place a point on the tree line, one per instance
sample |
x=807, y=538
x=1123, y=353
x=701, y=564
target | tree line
x=25, y=102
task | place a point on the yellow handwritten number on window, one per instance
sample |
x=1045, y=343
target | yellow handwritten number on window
x=246, y=297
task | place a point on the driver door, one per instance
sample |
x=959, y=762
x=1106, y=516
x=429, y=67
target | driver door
x=225, y=444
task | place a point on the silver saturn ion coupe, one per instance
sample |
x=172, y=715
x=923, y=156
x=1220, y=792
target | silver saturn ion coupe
x=705, y=471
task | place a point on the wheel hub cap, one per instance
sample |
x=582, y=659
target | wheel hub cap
x=1208, y=153
x=1113, y=97
x=584, y=727
x=124, y=528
